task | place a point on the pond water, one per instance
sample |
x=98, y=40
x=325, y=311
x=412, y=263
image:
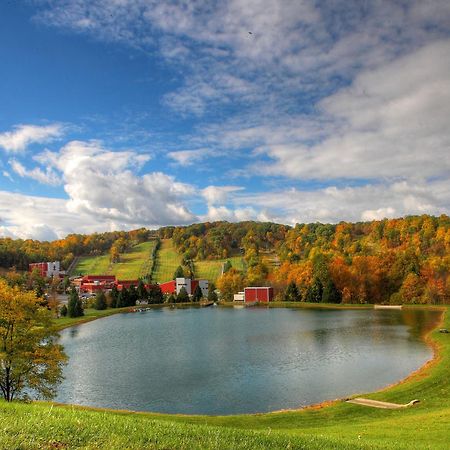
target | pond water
x=231, y=361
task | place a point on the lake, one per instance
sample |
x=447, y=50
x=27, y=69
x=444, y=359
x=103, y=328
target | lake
x=230, y=361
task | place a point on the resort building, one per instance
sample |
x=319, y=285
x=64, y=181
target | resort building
x=254, y=294
x=47, y=269
x=174, y=286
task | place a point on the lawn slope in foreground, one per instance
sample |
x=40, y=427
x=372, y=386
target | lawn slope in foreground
x=340, y=425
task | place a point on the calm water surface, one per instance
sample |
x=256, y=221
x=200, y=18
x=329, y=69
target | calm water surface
x=230, y=361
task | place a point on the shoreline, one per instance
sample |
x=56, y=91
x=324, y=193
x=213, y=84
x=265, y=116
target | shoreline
x=418, y=373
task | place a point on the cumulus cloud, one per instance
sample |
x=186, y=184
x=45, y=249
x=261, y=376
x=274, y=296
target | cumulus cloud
x=105, y=184
x=23, y=135
x=218, y=194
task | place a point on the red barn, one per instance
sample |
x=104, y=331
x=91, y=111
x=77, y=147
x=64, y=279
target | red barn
x=169, y=287
x=258, y=294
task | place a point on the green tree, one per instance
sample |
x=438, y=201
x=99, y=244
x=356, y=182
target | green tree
x=114, y=296
x=31, y=360
x=171, y=299
x=292, y=293
x=330, y=294
x=183, y=296
x=123, y=298
x=141, y=291
x=63, y=311
x=212, y=296
x=198, y=294
x=314, y=292
x=132, y=296
x=179, y=273
x=227, y=266
x=74, y=306
x=155, y=295
x=100, y=301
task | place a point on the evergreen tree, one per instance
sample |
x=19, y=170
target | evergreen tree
x=155, y=295
x=79, y=308
x=212, y=296
x=179, y=273
x=122, y=298
x=330, y=293
x=114, y=296
x=100, y=301
x=314, y=292
x=226, y=266
x=63, y=311
x=292, y=294
x=183, y=296
x=132, y=296
x=74, y=306
x=198, y=294
x=141, y=291
x=171, y=299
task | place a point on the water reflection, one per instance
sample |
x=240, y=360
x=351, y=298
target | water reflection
x=227, y=361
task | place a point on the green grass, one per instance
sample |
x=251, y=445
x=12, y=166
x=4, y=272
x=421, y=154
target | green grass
x=92, y=265
x=133, y=264
x=212, y=269
x=89, y=315
x=167, y=261
x=339, y=425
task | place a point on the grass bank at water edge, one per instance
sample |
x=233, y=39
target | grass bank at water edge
x=339, y=425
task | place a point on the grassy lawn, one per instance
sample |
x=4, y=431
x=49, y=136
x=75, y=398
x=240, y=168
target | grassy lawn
x=92, y=265
x=212, y=269
x=167, y=261
x=338, y=425
x=89, y=314
x=134, y=264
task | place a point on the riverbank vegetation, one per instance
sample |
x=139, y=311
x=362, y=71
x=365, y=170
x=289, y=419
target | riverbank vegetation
x=337, y=425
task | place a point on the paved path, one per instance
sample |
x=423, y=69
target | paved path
x=377, y=404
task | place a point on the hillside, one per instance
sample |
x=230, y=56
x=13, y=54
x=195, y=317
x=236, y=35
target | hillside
x=133, y=264
x=405, y=260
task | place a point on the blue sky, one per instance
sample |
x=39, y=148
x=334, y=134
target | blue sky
x=126, y=113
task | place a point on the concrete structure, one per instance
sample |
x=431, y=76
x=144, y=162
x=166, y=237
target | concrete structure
x=174, y=286
x=47, y=269
x=254, y=294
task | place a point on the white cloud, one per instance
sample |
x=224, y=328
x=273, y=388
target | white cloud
x=45, y=177
x=189, y=157
x=23, y=135
x=391, y=122
x=104, y=184
x=218, y=194
x=368, y=202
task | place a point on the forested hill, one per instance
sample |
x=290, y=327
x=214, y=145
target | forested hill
x=392, y=260
x=377, y=261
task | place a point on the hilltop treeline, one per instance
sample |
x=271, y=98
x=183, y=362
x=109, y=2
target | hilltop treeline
x=393, y=260
x=19, y=253
x=389, y=261
x=215, y=240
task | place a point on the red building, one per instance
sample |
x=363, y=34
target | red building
x=258, y=294
x=174, y=286
x=46, y=269
x=169, y=287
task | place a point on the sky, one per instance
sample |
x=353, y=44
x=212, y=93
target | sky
x=117, y=114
